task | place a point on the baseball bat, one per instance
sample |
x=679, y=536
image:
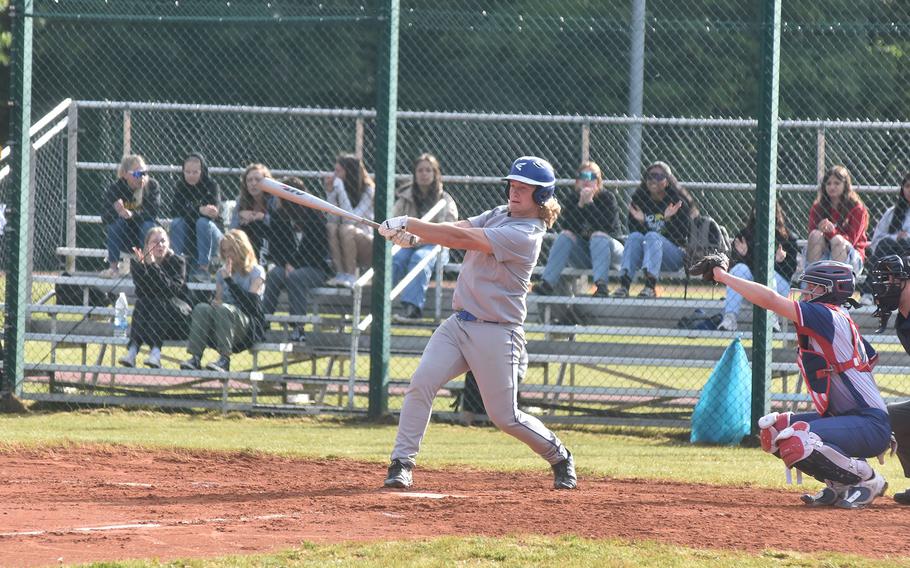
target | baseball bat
x=294, y=195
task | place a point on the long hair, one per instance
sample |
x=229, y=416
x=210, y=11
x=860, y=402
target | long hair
x=424, y=202
x=848, y=201
x=356, y=177
x=246, y=201
x=780, y=223
x=549, y=212
x=900, y=208
x=236, y=245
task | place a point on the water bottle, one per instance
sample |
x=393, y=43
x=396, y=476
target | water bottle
x=120, y=324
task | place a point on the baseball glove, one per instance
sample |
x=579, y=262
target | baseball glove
x=704, y=267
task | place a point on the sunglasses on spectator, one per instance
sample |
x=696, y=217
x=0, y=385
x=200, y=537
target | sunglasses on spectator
x=657, y=176
x=587, y=176
x=139, y=174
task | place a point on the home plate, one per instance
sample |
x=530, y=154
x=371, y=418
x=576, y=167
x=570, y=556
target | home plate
x=417, y=495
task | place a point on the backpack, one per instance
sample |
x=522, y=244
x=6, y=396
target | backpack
x=706, y=236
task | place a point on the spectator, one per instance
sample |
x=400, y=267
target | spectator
x=197, y=215
x=892, y=233
x=658, y=228
x=300, y=259
x=161, y=311
x=415, y=200
x=837, y=222
x=589, y=223
x=131, y=209
x=253, y=212
x=350, y=244
x=234, y=321
x=786, y=251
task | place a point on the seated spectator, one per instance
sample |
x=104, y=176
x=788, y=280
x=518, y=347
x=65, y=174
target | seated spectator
x=300, y=255
x=130, y=210
x=415, y=200
x=658, y=228
x=589, y=222
x=838, y=220
x=254, y=207
x=234, y=321
x=350, y=243
x=196, y=226
x=786, y=251
x=891, y=234
x=161, y=311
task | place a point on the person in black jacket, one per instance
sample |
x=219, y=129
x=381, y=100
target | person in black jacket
x=161, y=311
x=300, y=255
x=658, y=230
x=196, y=226
x=786, y=251
x=588, y=223
x=234, y=321
x=131, y=207
x=889, y=276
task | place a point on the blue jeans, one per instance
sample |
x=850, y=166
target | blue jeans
x=735, y=300
x=404, y=261
x=597, y=254
x=300, y=281
x=123, y=235
x=652, y=252
x=207, y=238
x=864, y=434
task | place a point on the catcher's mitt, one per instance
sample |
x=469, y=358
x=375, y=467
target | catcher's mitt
x=704, y=266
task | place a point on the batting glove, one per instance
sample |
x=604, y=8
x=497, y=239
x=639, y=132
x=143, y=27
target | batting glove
x=390, y=226
x=404, y=239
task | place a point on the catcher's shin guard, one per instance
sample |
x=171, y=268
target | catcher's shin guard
x=805, y=451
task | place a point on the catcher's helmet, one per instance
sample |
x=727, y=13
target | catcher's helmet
x=534, y=171
x=836, y=277
x=888, y=276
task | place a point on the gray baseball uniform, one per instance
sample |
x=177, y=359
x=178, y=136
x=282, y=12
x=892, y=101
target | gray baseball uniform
x=486, y=336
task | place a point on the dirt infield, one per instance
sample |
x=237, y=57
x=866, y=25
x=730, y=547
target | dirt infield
x=83, y=504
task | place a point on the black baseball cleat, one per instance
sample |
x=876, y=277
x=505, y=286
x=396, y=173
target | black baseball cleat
x=399, y=475
x=564, y=473
x=827, y=497
x=903, y=497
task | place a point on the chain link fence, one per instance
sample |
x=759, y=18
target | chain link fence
x=293, y=86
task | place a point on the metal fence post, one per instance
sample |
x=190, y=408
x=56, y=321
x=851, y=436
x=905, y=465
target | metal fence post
x=127, y=132
x=17, y=208
x=636, y=86
x=765, y=201
x=386, y=136
x=820, y=154
x=72, y=146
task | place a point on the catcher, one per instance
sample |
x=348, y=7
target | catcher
x=889, y=277
x=850, y=423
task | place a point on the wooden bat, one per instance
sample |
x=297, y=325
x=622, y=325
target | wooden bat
x=294, y=195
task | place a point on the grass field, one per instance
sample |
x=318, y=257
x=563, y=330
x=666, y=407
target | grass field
x=625, y=453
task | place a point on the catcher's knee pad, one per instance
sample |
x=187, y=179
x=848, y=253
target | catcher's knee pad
x=805, y=451
x=770, y=426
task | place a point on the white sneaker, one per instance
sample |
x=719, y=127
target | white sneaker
x=864, y=493
x=127, y=360
x=728, y=323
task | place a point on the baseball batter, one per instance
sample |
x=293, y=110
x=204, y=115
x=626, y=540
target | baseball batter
x=485, y=333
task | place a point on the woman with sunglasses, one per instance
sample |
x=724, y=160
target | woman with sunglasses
x=131, y=208
x=589, y=220
x=658, y=229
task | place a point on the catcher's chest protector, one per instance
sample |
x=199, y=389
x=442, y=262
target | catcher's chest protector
x=817, y=367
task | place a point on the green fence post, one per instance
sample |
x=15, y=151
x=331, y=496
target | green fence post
x=17, y=205
x=386, y=134
x=765, y=203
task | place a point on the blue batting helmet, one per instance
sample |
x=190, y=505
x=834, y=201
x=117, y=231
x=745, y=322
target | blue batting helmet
x=836, y=277
x=534, y=171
